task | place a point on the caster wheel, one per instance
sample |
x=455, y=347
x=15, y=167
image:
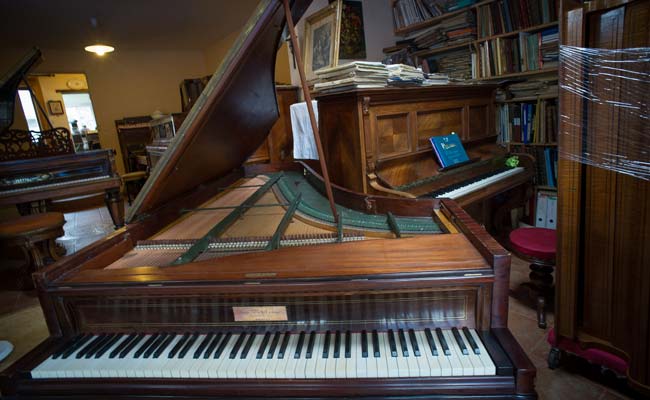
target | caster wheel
x=554, y=358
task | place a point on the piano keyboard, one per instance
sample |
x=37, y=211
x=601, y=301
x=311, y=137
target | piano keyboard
x=475, y=184
x=278, y=355
x=51, y=185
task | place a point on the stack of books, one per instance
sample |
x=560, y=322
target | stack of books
x=409, y=12
x=355, y=75
x=456, y=64
x=549, y=49
x=538, y=87
x=458, y=29
x=435, y=79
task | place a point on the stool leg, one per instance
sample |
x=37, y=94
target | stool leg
x=541, y=312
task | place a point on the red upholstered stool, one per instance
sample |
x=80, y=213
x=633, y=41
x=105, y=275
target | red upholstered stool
x=537, y=245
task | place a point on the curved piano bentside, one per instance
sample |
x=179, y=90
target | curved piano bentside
x=240, y=282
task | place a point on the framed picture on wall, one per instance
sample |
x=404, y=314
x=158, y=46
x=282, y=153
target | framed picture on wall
x=321, y=46
x=352, y=44
x=55, y=106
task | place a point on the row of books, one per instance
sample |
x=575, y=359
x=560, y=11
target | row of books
x=545, y=163
x=505, y=16
x=409, y=12
x=528, y=122
x=525, y=52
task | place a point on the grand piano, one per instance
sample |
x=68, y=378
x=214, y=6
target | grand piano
x=233, y=280
x=39, y=167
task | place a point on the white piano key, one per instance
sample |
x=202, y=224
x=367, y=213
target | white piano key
x=341, y=361
x=392, y=366
x=168, y=365
x=488, y=365
x=287, y=364
x=224, y=365
x=330, y=361
x=465, y=365
x=351, y=363
x=411, y=361
x=312, y=364
x=456, y=193
x=428, y=362
x=448, y=364
x=362, y=367
x=233, y=363
x=274, y=364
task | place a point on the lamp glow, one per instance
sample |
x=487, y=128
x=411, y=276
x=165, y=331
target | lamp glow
x=99, y=49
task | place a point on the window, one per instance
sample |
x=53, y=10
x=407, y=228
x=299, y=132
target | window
x=78, y=107
x=29, y=110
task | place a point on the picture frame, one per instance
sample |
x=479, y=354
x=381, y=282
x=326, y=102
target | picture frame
x=352, y=39
x=55, y=107
x=321, y=45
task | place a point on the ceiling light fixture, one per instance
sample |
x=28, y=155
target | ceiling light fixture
x=99, y=49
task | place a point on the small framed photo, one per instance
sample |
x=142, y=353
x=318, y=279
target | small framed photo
x=55, y=106
x=321, y=47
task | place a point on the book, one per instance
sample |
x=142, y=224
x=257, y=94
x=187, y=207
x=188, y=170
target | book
x=449, y=150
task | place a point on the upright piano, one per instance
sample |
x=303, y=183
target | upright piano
x=234, y=280
x=377, y=142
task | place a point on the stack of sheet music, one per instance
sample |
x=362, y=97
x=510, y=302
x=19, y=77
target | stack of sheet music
x=435, y=79
x=404, y=75
x=355, y=75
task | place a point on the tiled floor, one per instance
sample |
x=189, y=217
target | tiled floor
x=21, y=320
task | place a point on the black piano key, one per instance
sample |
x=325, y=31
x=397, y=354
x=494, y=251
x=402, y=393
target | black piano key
x=155, y=345
x=66, y=346
x=122, y=345
x=471, y=341
x=265, y=342
x=164, y=345
x=204, y=343
x=274, y=344
x=337, y=344
x=213, y=345
x=222, y=345
x=402, y=342
x=391, y=343
x=443, y=342
x=247, y=346
x=310, y=344
x=109, y=343
x=432, y=343
x=132, y=345
x=90, y=346
x=414, y=343
x=237, y=346
x=375, y=344
x=459, y=340
x=364, y=344
x=348, y=344
x=301, y=341
x=76, y=346
x=190, y=342
x=177, y=347
x=283, y=346
x=326, y=345
x=145, y=346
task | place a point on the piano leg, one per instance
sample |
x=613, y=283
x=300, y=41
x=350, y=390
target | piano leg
x=115, y=205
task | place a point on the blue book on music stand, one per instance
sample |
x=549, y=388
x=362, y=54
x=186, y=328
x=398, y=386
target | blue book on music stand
x=449, y=150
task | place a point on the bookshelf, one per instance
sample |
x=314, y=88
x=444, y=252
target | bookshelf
x=498, y=39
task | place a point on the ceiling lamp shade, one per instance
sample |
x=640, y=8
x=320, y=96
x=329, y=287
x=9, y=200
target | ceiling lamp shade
x=99, y=49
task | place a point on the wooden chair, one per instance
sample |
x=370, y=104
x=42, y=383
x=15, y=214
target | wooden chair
x=35, y=235
x=537, y=246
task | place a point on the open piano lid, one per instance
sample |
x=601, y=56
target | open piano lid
x=9, y=86
x=230, y=119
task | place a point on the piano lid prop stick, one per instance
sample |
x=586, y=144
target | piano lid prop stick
x=310, y=108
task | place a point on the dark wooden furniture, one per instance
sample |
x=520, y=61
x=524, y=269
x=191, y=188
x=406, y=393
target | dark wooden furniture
x=538, y=246
x=17, y=144
x=376, y=141
x=603, y=279
x=31, y=183
x=35, y=235
x=206, y=237
x=163, y=130
x=278, y=146
x=133, y=134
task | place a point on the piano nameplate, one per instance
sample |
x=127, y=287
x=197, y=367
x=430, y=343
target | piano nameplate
x=261, y=313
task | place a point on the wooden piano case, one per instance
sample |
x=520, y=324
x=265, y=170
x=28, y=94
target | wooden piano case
x=206, y=237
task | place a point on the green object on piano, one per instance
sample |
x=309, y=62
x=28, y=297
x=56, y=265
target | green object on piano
x=512, y=161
